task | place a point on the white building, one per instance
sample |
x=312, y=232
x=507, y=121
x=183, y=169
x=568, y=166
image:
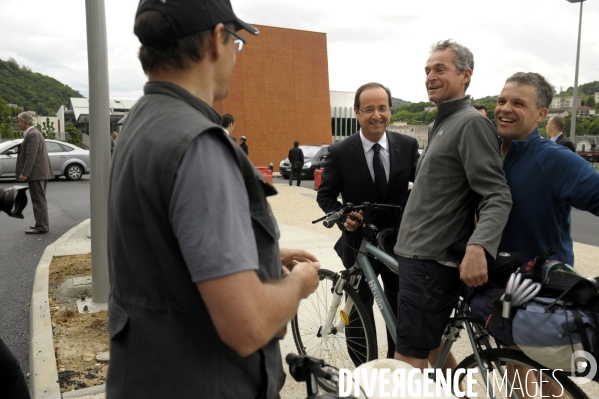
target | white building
x=419, y=132
x=587, y=143
x=565, y=102
x=585, y=111
x=343, y=118
x=78, y=114
x=551, y=112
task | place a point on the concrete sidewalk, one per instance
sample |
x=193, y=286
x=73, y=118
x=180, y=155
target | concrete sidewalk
x=294, y=208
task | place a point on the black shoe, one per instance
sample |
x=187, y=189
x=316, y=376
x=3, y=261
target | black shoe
x=35, y=231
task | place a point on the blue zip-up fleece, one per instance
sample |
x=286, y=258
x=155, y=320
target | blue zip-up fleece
x=546, y=180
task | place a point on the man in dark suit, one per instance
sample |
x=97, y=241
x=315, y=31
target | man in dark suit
x=555, y=128
x=33, y=166
x=228, y=123
x=373, y=165
x=296, y=159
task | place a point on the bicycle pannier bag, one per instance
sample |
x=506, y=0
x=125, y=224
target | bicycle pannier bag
x=549, y=332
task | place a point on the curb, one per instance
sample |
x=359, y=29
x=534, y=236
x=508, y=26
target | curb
x=43, y=381
x=85, y=392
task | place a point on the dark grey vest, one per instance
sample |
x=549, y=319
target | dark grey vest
x=163, y=342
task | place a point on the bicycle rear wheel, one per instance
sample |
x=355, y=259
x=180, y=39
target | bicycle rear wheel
x=509, y=363
x=335, y=349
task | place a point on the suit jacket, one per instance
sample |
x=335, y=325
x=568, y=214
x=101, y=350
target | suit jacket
x=563, y=140
x=346, y=172
x=296, y=155
x=33, y=160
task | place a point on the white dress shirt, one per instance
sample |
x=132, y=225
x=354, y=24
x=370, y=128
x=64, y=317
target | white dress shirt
x=383, y=153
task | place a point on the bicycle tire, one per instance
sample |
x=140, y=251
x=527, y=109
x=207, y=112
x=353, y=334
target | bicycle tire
x=307, y=324
x=506, y=357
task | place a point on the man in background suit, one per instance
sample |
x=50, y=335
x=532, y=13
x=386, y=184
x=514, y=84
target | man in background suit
x=33, y=166
x=373, y=165
x=296, y=159
x=228, y=123
x=555, y=128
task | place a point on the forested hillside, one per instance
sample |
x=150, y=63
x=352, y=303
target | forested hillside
x=32, y=91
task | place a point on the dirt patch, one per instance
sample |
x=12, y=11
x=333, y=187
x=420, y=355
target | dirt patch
x=78, y=338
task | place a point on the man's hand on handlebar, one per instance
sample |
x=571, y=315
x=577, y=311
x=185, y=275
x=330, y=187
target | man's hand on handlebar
x=353, y=221
x=473, y=269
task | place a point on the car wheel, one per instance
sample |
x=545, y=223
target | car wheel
x=73, y=172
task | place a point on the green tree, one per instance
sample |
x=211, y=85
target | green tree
x=31, y=90
x=74, y=134
x=594, y=128
x=591, y=101
x=48, y=130
x=5, y=119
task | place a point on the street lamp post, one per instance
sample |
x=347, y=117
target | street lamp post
x=573, y=124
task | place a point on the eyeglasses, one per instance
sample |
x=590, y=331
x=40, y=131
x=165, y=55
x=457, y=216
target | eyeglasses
x=370, y=111
x=240, y=39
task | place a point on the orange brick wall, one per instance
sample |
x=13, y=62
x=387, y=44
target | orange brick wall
x=279, y=93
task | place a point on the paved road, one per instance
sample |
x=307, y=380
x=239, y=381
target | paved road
x=585, y=227
x=68, y=204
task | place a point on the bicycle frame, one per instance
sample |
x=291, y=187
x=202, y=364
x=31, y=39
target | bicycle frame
x=453, y=328
x=363, y=266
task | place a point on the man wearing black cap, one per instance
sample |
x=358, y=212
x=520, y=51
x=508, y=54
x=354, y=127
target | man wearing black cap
x=197, y=301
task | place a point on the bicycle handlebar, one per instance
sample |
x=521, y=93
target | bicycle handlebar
x=333, y=217
x=302, y=366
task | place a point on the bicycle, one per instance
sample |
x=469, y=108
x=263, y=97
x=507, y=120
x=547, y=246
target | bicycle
x=308, y=334
x=319, y=326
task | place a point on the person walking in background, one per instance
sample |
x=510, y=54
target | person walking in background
x=244, y=146
x=374, y=165
x=228, y=123
x=201, y=293
x=555, y=129
x=296, y=160
x=460, y=165
x=113, y=137
x=34, y=167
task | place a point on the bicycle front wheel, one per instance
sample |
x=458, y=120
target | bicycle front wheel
x=503, y=365
x=345, y=345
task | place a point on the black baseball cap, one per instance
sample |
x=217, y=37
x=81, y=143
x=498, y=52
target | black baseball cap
x=192, y=16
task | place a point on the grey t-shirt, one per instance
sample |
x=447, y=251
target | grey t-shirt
x=209, y=212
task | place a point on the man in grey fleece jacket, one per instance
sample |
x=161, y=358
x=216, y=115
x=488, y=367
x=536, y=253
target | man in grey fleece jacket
x=460, y=166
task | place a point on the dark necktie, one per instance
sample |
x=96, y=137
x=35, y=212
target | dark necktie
x=380, y=179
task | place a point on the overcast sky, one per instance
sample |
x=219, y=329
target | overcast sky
x=385, y=41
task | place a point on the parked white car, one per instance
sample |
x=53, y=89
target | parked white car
x=67, y=160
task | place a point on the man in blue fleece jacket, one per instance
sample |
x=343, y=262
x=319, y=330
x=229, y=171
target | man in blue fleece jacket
x=546, y=180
